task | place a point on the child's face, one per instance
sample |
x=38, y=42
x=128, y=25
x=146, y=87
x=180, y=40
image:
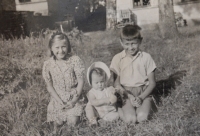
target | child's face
x=98, y=82
x=131, y=47
x=60, y=49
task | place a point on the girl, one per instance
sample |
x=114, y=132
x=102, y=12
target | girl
x=63, y=74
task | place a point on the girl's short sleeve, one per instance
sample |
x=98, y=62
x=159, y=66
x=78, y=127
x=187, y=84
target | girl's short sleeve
x=46, y=73
x=110, y=90
x=79, y=67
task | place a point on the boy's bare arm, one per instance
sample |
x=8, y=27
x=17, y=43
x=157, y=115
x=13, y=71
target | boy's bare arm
x=96, y=102
x=117, y=85
x=151, y=86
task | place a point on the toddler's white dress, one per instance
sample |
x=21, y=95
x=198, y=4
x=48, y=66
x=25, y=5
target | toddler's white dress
x=106, y=112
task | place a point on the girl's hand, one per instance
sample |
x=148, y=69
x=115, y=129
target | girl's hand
x=69, y=105
x=61, y=102
x=74, y=92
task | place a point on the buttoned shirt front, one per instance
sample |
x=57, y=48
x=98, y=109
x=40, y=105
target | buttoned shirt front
x=133, y=71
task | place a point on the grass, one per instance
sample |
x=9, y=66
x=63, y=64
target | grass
x=24, y=97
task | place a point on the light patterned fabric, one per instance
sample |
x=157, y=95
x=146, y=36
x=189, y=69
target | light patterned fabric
x=63, y=75
x=105, y=109
x=133, y=72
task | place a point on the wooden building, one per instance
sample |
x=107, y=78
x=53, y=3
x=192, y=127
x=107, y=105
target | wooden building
x=147, y=11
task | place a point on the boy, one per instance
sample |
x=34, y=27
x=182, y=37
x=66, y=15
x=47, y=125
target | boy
x=135, y=76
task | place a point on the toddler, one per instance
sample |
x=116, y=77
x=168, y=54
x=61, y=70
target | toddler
x=101, y=98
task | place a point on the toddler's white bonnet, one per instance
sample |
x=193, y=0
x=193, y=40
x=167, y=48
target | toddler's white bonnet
x=101, y=65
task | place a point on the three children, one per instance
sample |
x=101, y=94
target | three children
x=134, y=69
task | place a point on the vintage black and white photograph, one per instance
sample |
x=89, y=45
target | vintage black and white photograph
x=99, y=67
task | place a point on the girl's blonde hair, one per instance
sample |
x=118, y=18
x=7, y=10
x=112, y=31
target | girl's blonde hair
x=58, y=36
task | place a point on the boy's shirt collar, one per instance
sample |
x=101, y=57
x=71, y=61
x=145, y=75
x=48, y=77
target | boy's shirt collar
x=134, y=57
x=129, y=59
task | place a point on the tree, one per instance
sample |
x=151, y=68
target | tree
x=110, y=13
x=167, y=23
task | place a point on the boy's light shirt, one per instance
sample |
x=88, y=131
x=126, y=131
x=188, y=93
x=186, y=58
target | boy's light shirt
x=133, y=71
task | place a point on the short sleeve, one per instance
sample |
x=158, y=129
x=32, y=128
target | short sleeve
x=114, y=66
x=150, y=64
x=79, y=67
x=46, y=73
x=110, y=90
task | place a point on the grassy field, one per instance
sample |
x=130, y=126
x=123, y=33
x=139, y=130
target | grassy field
x=24, y=98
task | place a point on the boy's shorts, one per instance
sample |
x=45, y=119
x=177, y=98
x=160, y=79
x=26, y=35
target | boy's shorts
x=135, y=91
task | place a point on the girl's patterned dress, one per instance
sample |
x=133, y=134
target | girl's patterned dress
x=63, y=76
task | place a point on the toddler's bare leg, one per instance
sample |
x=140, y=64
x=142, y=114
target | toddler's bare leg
x=111, y=116
x=144, y=110
x=121, y=114
x=90, y=114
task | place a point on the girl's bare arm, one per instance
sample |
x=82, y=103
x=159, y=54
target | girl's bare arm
x=53, y=93
x=151, y=86
x=79, y=89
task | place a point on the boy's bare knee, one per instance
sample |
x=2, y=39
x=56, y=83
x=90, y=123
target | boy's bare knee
x=142, y=117
x=130, y=119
